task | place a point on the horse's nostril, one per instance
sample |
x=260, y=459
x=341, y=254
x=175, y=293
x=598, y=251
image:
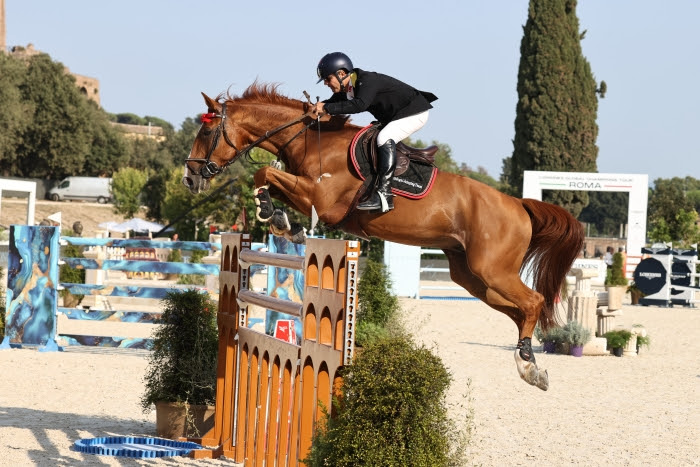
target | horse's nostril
x=188, y=182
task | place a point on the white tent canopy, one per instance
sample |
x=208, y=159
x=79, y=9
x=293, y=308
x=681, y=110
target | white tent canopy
x=135, y=224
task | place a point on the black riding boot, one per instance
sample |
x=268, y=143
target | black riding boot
x=383, y=199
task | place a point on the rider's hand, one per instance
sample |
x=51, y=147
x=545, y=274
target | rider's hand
x=318, y=108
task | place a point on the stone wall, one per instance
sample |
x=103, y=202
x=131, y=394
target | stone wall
x=90, y=87
x=140, y=131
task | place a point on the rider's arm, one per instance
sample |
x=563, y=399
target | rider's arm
x=365, y=93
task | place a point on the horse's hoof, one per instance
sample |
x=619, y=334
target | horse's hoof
x=297, y=234
x=265, y=209
x=530, y=373
x=280, y=221
x=543, y=380
x=277, y=232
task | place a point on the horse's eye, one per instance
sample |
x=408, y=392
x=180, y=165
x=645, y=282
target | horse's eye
x=206, y=131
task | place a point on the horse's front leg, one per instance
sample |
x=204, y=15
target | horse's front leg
x=291, y=190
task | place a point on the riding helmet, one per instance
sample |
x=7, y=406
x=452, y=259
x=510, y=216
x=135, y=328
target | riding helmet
x=331, y=63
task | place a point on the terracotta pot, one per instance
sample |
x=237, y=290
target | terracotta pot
x=635, y=295
x=615, y=295
x=178, y=420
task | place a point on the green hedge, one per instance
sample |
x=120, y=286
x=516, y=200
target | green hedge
x=376, y=306
x=392, y=412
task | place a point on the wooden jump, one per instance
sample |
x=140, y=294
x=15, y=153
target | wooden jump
x=270, y=393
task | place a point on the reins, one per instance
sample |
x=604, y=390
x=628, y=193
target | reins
x=210, y=168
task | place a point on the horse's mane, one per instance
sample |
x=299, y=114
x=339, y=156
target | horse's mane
x=267, y=93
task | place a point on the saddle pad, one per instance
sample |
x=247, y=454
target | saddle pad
x=414, y=183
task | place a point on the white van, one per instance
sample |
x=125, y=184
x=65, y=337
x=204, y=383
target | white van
x=83, y=188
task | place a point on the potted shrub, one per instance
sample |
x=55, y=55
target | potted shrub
x=616, y=283
x=643, y=339
x=635, y=293
x=618, y=340
x=576, y=335
x=549, y=339
x=180, y=378
x=66, y=273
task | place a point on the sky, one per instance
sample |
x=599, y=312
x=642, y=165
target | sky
x=154, y=57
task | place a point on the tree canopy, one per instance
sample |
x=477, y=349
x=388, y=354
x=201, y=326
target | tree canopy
x=127, y=185
x=50, y=129
x=605, y=212
x=672, y=212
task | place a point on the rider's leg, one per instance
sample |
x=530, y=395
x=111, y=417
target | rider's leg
x=392, y=133
x=383, y=198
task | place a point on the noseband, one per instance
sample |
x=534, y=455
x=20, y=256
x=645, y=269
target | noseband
x=210, y=168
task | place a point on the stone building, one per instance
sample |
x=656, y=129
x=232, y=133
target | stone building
x=140, y=131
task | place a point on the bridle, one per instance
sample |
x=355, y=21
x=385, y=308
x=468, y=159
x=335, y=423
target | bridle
x=209, y=168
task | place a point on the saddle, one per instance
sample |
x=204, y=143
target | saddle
x=415, y=168
x=404, y=153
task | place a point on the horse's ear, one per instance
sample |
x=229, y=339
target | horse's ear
x=211, y=103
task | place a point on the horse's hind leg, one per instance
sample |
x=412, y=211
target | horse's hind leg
x=524, y=356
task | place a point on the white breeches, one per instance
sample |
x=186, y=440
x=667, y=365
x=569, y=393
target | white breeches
x=402, y=128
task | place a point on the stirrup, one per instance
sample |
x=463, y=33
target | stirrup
x=378, y=202
x=372, y=204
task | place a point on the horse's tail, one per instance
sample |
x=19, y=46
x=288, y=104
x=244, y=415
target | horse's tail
x=557, y=239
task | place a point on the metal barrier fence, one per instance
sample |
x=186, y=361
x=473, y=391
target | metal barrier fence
x=32, y=293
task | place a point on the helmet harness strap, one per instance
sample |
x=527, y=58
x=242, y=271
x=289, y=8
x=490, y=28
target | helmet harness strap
x=340, y=80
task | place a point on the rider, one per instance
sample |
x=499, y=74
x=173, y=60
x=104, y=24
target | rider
x=400, y=108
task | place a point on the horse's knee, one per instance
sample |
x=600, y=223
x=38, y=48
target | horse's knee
x=260, y=176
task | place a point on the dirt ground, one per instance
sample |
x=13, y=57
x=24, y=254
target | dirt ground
x=599, y=410
x=14, y=211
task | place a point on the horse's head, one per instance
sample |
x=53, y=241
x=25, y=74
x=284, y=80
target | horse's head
x=209, y=156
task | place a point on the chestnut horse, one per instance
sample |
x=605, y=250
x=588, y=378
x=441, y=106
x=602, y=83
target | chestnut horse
x=488, y=237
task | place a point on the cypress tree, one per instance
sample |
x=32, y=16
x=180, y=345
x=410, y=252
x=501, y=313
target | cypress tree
x=555, y=123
